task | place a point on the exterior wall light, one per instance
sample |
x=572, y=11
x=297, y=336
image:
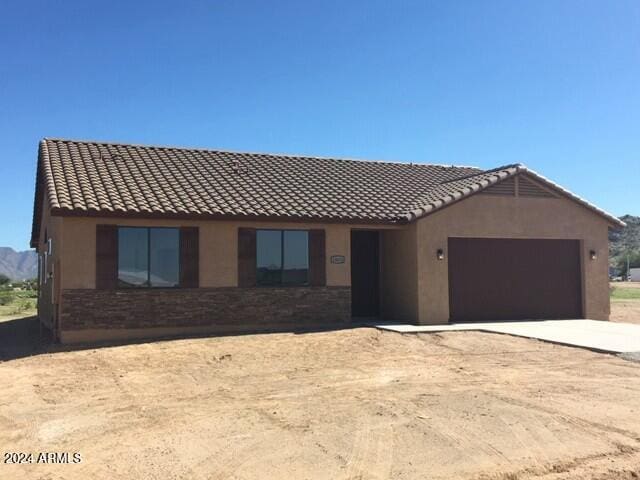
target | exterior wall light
x=440, y=254
x=592, y=254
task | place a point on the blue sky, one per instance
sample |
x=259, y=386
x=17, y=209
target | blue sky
x=552, y=84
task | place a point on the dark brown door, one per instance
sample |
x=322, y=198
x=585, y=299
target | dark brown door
x=364, y=274
x=508, y=279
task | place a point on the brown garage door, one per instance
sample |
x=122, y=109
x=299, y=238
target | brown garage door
x=508, y=279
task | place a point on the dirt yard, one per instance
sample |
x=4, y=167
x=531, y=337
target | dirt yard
x=625, y=302
x=627, y=311
x=351, y=404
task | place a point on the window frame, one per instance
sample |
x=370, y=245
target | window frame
x=45, y=258
x=40, y=270
x=307, y=283
x=149, y=286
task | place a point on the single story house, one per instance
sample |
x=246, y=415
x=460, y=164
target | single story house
x=141, y=241
x=634, y=274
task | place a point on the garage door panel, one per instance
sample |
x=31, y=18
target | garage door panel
x=504, y=279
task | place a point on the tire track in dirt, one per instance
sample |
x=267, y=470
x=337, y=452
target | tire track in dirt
x=570, y=419
x=372, y=453
x=567, y=467
x=227, y=466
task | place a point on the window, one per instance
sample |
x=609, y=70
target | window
x=40, y=269
x=45, y=258
x=282, y=257
x=148, y=257
x=45, y=264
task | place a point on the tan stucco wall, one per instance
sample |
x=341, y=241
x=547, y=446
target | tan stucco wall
x=398, y=274
x=510, y=217
x=413, y=283
x=218, y=248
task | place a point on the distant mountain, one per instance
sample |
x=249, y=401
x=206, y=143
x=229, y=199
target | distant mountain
x=625, y=243
x=18, y=265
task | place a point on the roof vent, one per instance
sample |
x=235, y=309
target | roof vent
x=530, y=188
x=504, y=187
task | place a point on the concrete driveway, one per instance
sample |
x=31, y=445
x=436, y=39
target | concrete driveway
x=592, y=334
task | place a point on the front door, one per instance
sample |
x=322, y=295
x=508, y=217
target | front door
x=365, y=265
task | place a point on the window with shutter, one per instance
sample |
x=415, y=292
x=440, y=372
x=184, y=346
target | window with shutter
x=139, y=257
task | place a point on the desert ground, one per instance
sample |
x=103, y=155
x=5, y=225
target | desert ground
x=350, y=404
x=625, y=302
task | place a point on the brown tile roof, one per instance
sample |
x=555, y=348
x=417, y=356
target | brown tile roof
x=107, y=177
x=97, y=178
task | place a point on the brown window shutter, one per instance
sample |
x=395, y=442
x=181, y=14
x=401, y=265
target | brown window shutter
x=189, y=257
x=106, y=257
x=246, y=257
x=317, y=259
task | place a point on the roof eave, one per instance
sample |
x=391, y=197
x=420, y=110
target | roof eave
x=613, y=220
x=66, y=212
x=38, y=200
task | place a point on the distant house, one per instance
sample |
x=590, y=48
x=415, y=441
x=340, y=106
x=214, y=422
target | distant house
x=140, y=241
x=634, y=274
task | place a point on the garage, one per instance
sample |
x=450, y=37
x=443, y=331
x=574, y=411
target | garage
x=514, y=279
